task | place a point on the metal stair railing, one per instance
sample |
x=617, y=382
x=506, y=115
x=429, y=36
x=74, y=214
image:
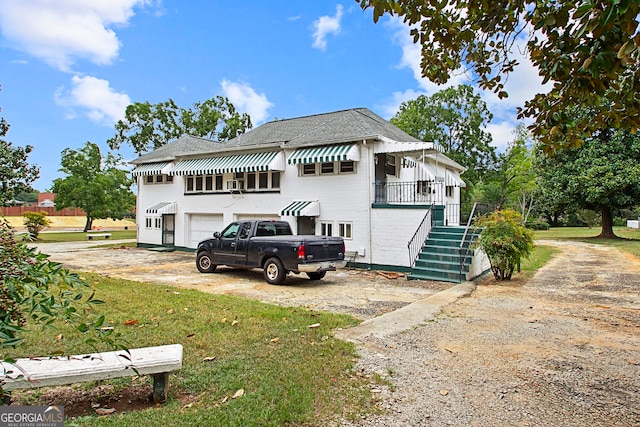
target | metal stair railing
x=464, y=248
x=417, y=241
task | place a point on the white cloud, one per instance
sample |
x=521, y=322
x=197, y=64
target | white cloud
x=326, y=25
x=96, y=98
x=247, y=100
x=58, y=32
x=391, y=106
x=502, y=133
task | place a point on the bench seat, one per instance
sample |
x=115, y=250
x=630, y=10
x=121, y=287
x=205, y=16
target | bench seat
x=92, y=235
x=55, y=371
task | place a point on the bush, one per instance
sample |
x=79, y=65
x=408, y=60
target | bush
x=505, y=241
x=36, y=291
x=537, y=225
x=35, y=222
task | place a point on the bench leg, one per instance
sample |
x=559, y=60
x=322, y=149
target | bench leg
x=160, y=387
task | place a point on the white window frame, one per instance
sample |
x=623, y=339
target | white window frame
x=326, y=228
x=157, y=223
x=148, y=223
x=345, y=230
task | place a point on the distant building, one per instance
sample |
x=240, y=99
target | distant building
x=46, y=200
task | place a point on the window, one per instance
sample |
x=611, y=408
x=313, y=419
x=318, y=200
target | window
x=390, y=165
x=251, y=181
x=147, y=222
x=347, y=166
x=326, y=168
x=159, y=179
x=149, y=179
x=344, y=230
x=309, y=169
x=169, y=178
x=326, y=229
x=158, y=223
x=263, y=180
x=423, y=187
x=449, y=191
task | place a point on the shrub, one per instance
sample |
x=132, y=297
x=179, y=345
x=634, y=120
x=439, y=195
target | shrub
x=36, y=291
x=537, y=225
x=35, y=222
x=505, y=241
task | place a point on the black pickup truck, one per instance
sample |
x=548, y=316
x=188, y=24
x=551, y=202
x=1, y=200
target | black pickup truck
x=271, y=246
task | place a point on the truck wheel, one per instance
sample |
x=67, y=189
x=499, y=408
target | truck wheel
x=316, y=276
x=205, y=263
x=274, y=271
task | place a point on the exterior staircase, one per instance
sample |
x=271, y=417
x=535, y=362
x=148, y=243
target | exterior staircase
x=439, y=258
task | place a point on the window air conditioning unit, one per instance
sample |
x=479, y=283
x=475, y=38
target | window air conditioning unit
x=233, y=184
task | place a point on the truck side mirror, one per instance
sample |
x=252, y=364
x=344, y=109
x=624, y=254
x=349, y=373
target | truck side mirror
x=216, y=234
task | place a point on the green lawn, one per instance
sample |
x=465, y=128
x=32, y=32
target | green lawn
x=292, y=374
x=629, y=238
x=73, y=236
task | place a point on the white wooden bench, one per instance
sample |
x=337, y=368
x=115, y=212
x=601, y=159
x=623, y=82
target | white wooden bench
x=92, y=235
x=54, y=371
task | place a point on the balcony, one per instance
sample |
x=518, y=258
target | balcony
x=409, y=193
x=418, y=194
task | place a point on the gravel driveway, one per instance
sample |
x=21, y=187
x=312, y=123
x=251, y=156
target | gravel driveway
x=560, y=350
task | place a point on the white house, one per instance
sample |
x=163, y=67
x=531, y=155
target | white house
x=347, y=173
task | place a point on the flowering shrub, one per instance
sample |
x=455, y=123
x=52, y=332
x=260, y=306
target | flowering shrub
x=505, y=241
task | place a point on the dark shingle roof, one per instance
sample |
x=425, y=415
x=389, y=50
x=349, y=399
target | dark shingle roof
x=320, y=129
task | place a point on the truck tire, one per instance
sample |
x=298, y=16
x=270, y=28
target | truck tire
x=274, y=271
x=205, y=263
x=316, y=276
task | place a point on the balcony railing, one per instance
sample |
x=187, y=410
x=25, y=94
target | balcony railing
x=410, y=193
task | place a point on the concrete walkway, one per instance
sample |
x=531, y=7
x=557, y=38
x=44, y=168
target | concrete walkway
x=412, y=315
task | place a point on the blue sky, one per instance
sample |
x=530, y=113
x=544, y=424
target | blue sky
x=70, y=67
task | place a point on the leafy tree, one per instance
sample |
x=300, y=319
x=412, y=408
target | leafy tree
x=512, y=184
x=36, y=291
x=35, y=222
x=97, y=184
x=603, y=175
x=149, y=126
x=455, y=118
x=585, y=47
x=16, y=175
x=27, y=196
x=505, y=241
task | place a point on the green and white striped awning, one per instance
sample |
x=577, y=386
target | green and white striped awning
x=327, y=153
x=163, y=208
x=302, y=208
x=273, y=160
x=150, y=169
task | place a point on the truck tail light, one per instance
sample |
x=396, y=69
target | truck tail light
x=302, y=252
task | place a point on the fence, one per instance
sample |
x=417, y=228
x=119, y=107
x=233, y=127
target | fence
x=51, y=211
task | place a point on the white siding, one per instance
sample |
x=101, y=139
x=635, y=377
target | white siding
x=393, y=228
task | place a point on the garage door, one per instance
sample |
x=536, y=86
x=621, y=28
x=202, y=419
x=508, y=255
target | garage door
x=202, y=226
x=247, y=217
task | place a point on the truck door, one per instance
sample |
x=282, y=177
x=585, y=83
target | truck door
x=228, y=241
x=242, y=244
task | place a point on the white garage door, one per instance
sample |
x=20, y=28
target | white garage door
x=202, y=226
x=241, y=217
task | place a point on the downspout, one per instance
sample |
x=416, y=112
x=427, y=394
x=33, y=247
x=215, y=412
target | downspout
x=369, y=209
